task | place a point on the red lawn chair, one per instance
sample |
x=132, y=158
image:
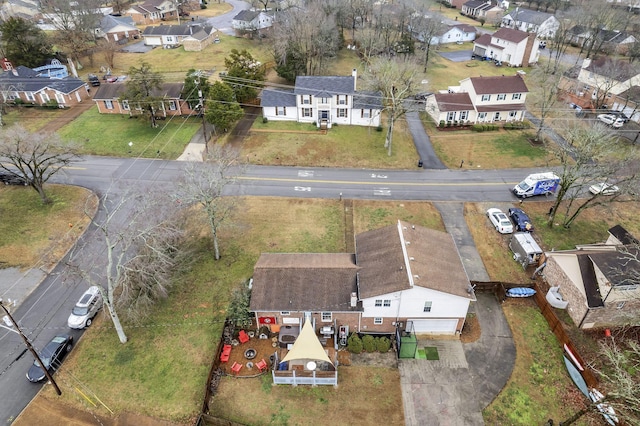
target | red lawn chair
x=226, y=352
x=235, y=368
x=261, y=365
x=243, y=336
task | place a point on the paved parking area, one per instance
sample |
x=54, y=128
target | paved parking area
x=458, y=56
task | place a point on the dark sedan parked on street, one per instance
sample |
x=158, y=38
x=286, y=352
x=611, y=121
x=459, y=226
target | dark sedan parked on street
x=51, y=356
x=520, y=220
x=11, y=179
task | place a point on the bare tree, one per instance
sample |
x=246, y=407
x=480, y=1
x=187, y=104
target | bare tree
x=546, y=80
x=75, y=23
x=35, y=157
x=426, y=26
x=395, y=79
x=605, y=75
x=109, y=50
x=142, y=234
x=204, y=184
x=590, y=156
x=618, y=373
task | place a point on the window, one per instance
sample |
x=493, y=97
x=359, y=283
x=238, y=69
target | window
x=306, y=100
x=108, y=104
x=342, y=100
x=281, y=110
x=464, y=115
x=13, y=96
x=482, y=115
x=378, y=303
x=502, y=97
x=486, y=98
x=387, y=303
x=496, y=116
x=516, y=96
x=307, y=112
x=427, y=307
x=451, y=115
x=324, y=100
x=513, y=114
x=377, y=321
x=365, y=113
x=30, y=96
x=285, y=313
x=172, y=106
x=125, y=105
x=326, y=316
x=169, y=39
x=60, y=98
x=342, y=112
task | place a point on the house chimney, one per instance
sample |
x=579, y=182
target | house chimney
x=354, y=74
x=354, y=299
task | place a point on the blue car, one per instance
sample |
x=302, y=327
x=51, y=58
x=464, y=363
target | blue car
x=520, y=220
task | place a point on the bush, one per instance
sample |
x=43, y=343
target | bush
x=383, y=344
x=477, y=128
x=265, y=120
x=354, y=344
x=379, y=129
x=51, y=103
x=441, y=123
x=369, y=343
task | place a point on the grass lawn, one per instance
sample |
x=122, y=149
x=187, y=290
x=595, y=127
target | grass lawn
x=290, y=144
x=162, y=370
x=32, y=118
x=33, y=234
x=103, y=134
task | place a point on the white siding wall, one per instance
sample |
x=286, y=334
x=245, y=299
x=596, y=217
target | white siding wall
x=411, y=305
x=270, y=114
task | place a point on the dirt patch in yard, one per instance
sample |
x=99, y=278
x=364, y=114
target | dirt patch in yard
x=375, y=359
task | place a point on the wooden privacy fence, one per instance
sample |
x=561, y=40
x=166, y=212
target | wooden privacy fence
x=499, y=289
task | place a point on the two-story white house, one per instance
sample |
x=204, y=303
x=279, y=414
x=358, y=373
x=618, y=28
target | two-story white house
x=323, y=100
x=401, y=276
x=508, y=47
x=252, y=20
x=480, y=100
x=543, y=24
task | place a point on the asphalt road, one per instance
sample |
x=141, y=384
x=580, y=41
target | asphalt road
x=44, y=312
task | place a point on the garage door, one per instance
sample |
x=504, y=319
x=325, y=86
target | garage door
x=435, y=326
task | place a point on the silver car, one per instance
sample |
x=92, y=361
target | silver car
x=86, y=308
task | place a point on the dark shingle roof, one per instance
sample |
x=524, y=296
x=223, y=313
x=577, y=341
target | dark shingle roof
x=35, y=84
x=109, y=91
x=454, y=102
x=612, y=68
x=623, y=235
x=108, y=22
x=246, y=16
x=304, y=282
x=484, y=40
x=509, y=34
x=177, y=30
x=367, y=100
x=279, y=97
x=619, y=267
x=589, y=281
x=499, y=84
x=312, y=85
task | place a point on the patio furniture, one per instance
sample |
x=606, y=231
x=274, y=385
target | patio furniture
x=226, y=352
x=261, y=365
x=235, y=368
x=243, y=337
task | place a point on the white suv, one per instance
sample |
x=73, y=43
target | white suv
x=86, y=308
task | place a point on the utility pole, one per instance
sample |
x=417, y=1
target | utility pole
x=204, y=124
x=33, y=351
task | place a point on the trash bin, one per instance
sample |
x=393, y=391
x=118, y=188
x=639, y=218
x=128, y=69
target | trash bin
x=419, y=163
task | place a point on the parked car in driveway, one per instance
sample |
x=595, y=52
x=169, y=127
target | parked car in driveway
x=86, y=308
x=51, y=356
x=520, y=220
x=500, y=221
x=611, y=120
x=603, y=188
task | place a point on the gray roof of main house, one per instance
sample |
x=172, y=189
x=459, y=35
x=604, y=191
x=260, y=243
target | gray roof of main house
x=277, y=98
x=331, y=85
x=177, y=30
x=246, y=15
x=612, y=68
x=367, y=100
x=304, y=282
x=108, y=22
x=433, y=258
x=110, y=91
x=530, y=16
x=25, y=80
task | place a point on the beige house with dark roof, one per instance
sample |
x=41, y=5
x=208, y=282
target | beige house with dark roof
x=402, y=276
x=480, y=100
x=600, y=281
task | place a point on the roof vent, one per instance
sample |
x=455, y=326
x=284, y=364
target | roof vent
x=408, y=242
x=412, y=258
x=416, y=277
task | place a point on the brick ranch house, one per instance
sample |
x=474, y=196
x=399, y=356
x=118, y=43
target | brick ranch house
x=600, y=281
x=401, y=276
x=107, y=99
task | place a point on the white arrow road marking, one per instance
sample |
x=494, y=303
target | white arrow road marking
x=302, y=188
x=375, y=176
x=305, y=173
x=385, y=192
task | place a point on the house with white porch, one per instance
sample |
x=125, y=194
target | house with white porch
x=324, y=100
x=480, y=100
